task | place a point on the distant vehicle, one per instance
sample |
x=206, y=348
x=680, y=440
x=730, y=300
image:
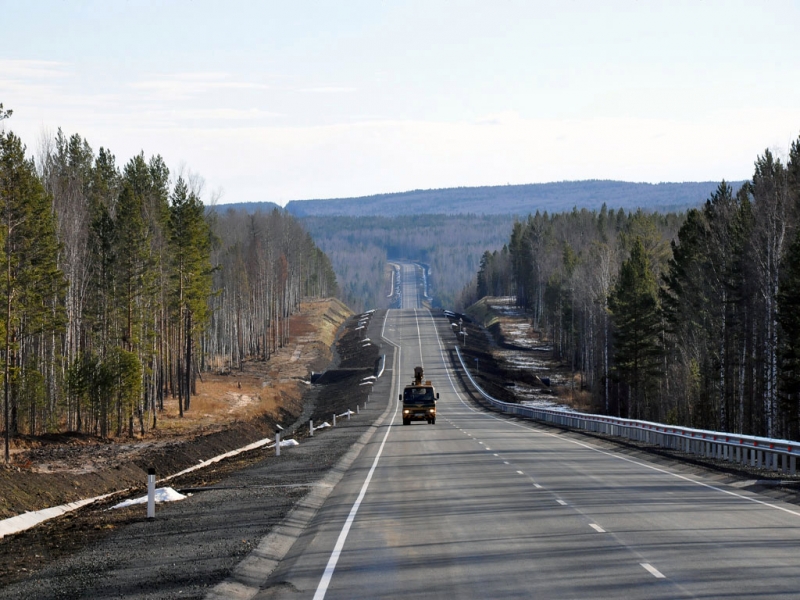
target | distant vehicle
x=419, y=400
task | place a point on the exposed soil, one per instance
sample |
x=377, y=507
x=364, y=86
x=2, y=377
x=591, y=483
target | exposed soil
x=229, y=411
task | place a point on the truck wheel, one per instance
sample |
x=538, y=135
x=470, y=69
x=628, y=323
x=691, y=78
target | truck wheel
x=433, y=421
x=406, y=422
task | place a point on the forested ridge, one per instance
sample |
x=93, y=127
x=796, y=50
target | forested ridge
x=360, y=247
x=514, y=199
x=690, y=319
x=118, y=286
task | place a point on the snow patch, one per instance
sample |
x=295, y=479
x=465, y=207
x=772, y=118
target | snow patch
x=165, y=494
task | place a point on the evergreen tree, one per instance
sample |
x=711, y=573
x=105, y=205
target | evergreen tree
x=190, y=242
x=637, y=320
x=789, y=349
x=31, y=286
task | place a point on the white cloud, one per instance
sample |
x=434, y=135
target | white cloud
x=180, y=85
x=26, y=70
x=329, y=90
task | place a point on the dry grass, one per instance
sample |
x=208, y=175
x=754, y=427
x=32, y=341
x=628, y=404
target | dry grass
x=261, y=388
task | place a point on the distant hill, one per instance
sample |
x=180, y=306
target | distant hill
x=516, y=199
x=249, y=207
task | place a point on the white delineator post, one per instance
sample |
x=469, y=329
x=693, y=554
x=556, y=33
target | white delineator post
x=334, y=419
x=311, y=428
x=151, y=493
x=277, y=443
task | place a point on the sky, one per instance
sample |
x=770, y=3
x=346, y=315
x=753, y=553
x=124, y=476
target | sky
x=278, y=101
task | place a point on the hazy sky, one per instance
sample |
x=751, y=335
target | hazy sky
x=293, y=100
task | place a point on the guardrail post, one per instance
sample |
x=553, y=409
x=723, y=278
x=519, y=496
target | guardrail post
x=759, y=458
x=792, y=465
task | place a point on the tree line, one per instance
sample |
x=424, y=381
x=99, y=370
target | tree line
x=690, y=319
x=360, y=247
x=119, y=286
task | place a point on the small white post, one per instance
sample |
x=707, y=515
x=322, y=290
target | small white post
x=334, y=419
x=311, y=428
x=277, y=443
x=151, y=493
x=358, y=409
x=348, y=414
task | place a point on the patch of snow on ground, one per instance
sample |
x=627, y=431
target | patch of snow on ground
x=516, y=360
x=546, y=403
x=165, y=494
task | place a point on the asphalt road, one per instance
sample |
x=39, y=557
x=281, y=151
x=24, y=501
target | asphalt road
x=482, y=506
x=409, y=287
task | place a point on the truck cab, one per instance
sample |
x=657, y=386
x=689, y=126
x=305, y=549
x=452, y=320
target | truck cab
x=419, y=400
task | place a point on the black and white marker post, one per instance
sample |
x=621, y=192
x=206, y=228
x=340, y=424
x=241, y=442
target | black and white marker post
x=151, y=493
x=278, y=430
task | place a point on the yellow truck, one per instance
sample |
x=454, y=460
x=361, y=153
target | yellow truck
x=419, y=400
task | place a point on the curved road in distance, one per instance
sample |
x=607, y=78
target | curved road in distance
x=481, y=506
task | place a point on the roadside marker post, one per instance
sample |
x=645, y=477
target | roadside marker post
x=151, y=493
x=334, y=419
x=311, y=428
x=277, y=443
x=358, y=409
x=348, y=414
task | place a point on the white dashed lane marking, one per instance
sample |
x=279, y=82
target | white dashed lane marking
x=653, y=571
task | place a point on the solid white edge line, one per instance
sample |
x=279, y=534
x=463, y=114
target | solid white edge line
x=325, y=581
x=653, y=571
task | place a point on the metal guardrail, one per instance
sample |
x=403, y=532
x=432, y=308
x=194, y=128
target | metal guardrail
x=381, y=367
x=774, y=454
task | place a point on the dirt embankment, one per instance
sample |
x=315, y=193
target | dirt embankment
x=512, y=360
x=229, y=411
x=65, y=552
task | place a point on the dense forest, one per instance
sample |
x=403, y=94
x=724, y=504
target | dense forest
x=359, y=248
x=690, y=319
x=118, y=285
x=513, y=199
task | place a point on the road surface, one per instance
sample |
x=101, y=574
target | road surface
x=409, y=286
x=482, y=506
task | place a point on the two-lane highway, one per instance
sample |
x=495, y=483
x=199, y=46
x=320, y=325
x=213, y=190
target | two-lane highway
x=409, y=286
x=481, y=506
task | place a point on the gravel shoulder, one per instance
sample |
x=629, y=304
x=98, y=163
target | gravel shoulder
x=195, y=544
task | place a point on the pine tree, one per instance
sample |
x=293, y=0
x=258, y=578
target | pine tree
x=31, y=287
x=789, y=348
x=190, y=241
x=637, y=320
